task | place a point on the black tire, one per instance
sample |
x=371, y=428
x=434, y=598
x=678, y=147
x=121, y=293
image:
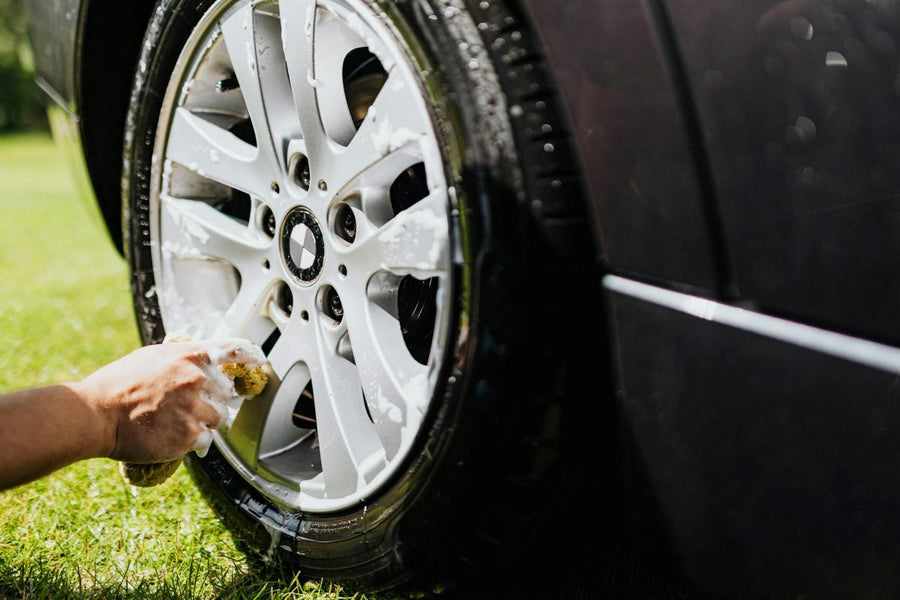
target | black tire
x=499, y=464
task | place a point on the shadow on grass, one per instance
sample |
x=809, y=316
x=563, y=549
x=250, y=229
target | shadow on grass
x=204, y=578
x=197, y=579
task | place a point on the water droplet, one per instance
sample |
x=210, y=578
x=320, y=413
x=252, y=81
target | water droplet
x=809, y=178
x=835, y=59
x=549, y=148
x=516, y=111
x=484, y=5
x=801, y=28
x=807, y=127
x=546, y=128
x=473, y=65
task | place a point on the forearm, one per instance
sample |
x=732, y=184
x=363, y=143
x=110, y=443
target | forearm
x=149, y=406
x=47, y=428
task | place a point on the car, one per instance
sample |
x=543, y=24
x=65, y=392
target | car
x=539, y=283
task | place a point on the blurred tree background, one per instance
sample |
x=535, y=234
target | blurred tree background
x=21, y=104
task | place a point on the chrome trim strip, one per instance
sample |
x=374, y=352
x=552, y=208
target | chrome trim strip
x=57, y=98
x=864, y=352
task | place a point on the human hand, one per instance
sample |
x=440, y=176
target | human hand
x=159, y=402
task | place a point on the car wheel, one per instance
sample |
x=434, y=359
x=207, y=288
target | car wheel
x=381, y=195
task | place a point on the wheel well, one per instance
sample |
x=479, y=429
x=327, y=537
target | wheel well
x=110, y=45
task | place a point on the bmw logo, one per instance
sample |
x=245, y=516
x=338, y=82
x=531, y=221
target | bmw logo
x=302, y=245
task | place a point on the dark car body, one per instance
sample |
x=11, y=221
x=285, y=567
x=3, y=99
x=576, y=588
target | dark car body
x=743, y=165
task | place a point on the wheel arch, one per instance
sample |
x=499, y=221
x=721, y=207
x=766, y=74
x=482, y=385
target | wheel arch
x=109, y=42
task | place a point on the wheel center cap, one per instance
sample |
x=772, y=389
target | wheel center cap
x=302, y=246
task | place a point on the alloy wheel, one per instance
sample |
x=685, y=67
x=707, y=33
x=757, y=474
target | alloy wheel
x=298, y=200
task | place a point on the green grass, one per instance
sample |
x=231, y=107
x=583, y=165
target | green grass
x=65, y=310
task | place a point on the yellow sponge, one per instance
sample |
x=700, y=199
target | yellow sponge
x=247, y=382
x=148, y=475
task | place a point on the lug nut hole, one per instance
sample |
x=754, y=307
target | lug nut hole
x=267, y=221
x=304, y=315
x=345, y=223
x=299, y=169
x=284, y=298
x=342, y=269
x=331, y=304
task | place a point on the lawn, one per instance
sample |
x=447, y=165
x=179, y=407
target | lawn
x=64, y=311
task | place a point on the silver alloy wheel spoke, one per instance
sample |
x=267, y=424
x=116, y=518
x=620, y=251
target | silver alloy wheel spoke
x=351, y=450
x=202, y=230
x=295, y=345
x=387, y=372
x=412, y=243
x=349, y=446
x=215, y=153
x=376, y=205
x=253, y=42
x=279, y=316
x=280, y=433
x=333, y=42
x=298, y=31
x=263, y=428
x=246, y=317
x=246, y=432
x=387, y=141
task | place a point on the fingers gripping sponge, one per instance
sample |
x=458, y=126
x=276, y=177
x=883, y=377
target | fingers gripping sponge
x=248, y=382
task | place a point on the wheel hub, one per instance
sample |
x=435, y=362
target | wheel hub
x=302, y=246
